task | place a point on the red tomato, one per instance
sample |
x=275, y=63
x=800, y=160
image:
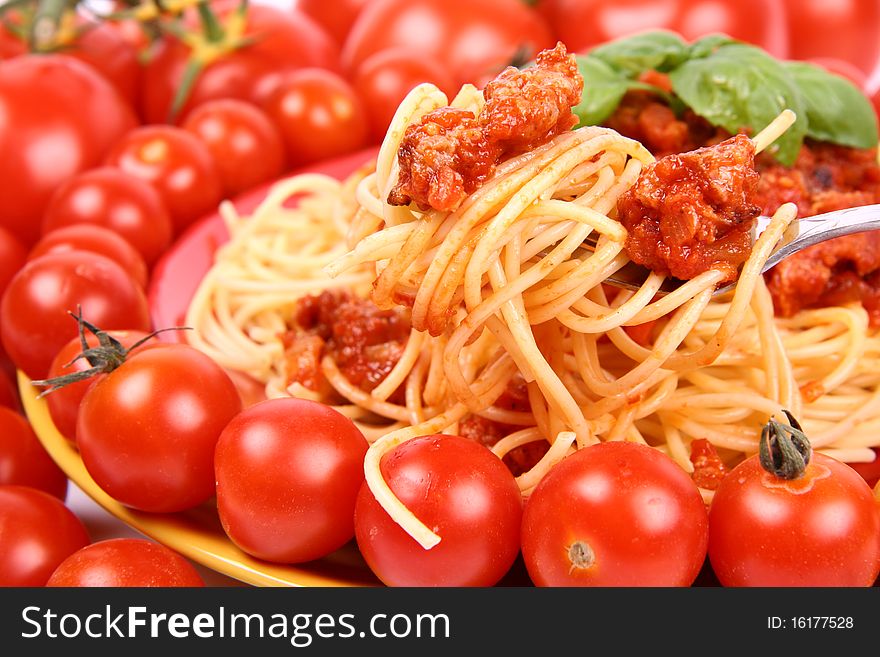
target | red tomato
x=147, y=430
x=335, y=17
x=97, y=239
x=24, y=461
x=870, y=471
x=12, y=258
x=280, y=41
x=464, y=493
x=59, y=117
x=111, y=198
x=36, y=308
x=177, y=164
x=615, y=514
x=582, y=24
x=125, y=562
x=822, y=529
x=473, y=39
x=8, y=391
x=318, y=114
x=383, y=80
x=38, y=532
x=288, y=472
x=244, y=143
x=64, y=402
x=847, y=30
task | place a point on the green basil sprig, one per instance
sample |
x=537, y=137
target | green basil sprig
x=732, y=85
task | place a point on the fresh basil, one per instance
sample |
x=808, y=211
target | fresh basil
x=835, y=108
x=603, y=89
x=740, y=87
x=659, y=51
x=708, y=44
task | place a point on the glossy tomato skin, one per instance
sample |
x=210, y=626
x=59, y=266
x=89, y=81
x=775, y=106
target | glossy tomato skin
x=288, y=472
x=384, y=79
x=23, y=460
x=147, y=431
x=177, y=164
x=464, y=493
x=125, y=562
x=628, y=512
x=318, y=114
x=12, y=257
x=335, y=17
x=35, y=310
x=820, y=530
x=38, y=532
x=63, y=403
x=582, y=24
x=281, y=41
x=244, y=143
x=473, y=39
x=109, y=197
x=8, y=391
x=96, y=239
x=59, y=117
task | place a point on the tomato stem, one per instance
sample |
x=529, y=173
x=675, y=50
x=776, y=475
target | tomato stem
x=784, y=448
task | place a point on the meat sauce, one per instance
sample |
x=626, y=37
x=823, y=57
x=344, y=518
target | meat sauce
x=824, y=177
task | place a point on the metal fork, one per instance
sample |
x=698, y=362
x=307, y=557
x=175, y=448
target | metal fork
x=801, y=233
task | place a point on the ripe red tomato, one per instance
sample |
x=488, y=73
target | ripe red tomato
x=38, y=532
x=288, y=472
x=35, y=309
x=279, y=41
x=473, y=39
x=615, y=514
x=582, y=24
x=822, y=529
x=108, y=197
x=177, y=164
x=384, y=79
x=59, y=117
x=8, y=391
x=318, y=114
x=244, y=143
x=125, y=562
x=147, y=430
x=464, y=493
x=23, y=460
x=96, y=239
x=12, y=258
x=335, y=17
x=64, y=402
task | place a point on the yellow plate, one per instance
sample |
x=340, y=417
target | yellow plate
x=197, y=533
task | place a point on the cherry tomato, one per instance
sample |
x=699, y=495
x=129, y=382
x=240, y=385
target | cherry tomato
x=383, y=80
x=125, y=562
x=847, y=30
x=111, y=198
x=12, y=258
x=8, y=391
x=279, y=41
x=24, y=461
x=335, y=17
x=870, y=471
x=615, y=514
x=38, y=532
x=36, y=308
x=462, y=492
x=288, y=472
x=59, y=117
x=582, y=24
x=822, y=529
x=97, y=239
x=64, y=402
x=318, y=114
x=473, y=39
x=177, y=164
x=147, y=430
x=244, y=143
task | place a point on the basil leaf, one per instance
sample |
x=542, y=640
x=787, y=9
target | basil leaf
x=740, y=87
x=708, y=44
x=658, y=50
x=603, y=89
x=835, y=108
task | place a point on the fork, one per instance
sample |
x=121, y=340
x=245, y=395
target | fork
x=800, y=234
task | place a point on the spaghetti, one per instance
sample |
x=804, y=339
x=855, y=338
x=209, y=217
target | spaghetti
x=499, y=296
